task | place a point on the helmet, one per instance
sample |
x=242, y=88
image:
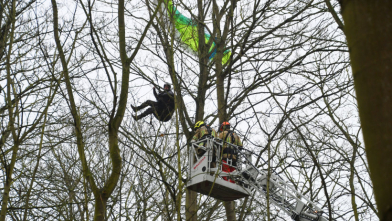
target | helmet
x=167, y=84
x=225, y=125
x=199, y=124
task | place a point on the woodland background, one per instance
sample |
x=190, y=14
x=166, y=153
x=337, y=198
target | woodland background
x=70, y=149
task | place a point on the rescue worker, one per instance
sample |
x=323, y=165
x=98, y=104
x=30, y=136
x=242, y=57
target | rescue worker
x=162, y=109
x=202, y=131
x=229, y=152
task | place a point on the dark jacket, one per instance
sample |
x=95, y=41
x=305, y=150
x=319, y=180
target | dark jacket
x=165, y=105
x=165, y=99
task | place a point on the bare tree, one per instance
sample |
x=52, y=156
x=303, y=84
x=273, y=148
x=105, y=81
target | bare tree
x=115, y=115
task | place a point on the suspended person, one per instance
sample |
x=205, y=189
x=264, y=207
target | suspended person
x=229, y=153
x=162, y=109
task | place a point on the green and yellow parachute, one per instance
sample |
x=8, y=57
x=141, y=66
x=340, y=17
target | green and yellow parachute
x=187, y=29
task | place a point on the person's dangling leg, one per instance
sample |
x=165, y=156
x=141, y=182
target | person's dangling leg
x=144, y=105
x=144, y=114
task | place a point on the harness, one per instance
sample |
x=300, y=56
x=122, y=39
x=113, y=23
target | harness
x=209, y=134
x=230, y=152
x=231, y=133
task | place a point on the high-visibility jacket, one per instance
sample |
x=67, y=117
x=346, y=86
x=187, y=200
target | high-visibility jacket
x=203, y=131
x=228, y=151
x=200, y=134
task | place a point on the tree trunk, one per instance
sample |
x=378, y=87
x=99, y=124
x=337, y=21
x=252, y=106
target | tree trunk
x=230, y=210
x=203, y=64
x=6, y=195
x=368, y=28
x=100, y=207
x=191, y=205
x=10, y=167
x=220, y=90
x=8, y=183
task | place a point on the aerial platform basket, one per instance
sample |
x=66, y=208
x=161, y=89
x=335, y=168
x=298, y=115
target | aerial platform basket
x=217, y=188
x=206, y=175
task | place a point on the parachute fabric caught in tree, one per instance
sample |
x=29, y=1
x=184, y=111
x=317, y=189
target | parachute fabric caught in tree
x=187, y=29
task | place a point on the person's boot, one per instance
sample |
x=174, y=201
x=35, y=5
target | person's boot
x=134, y=108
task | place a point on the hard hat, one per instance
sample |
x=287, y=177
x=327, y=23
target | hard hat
x=225, y=124
x=199, y=124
